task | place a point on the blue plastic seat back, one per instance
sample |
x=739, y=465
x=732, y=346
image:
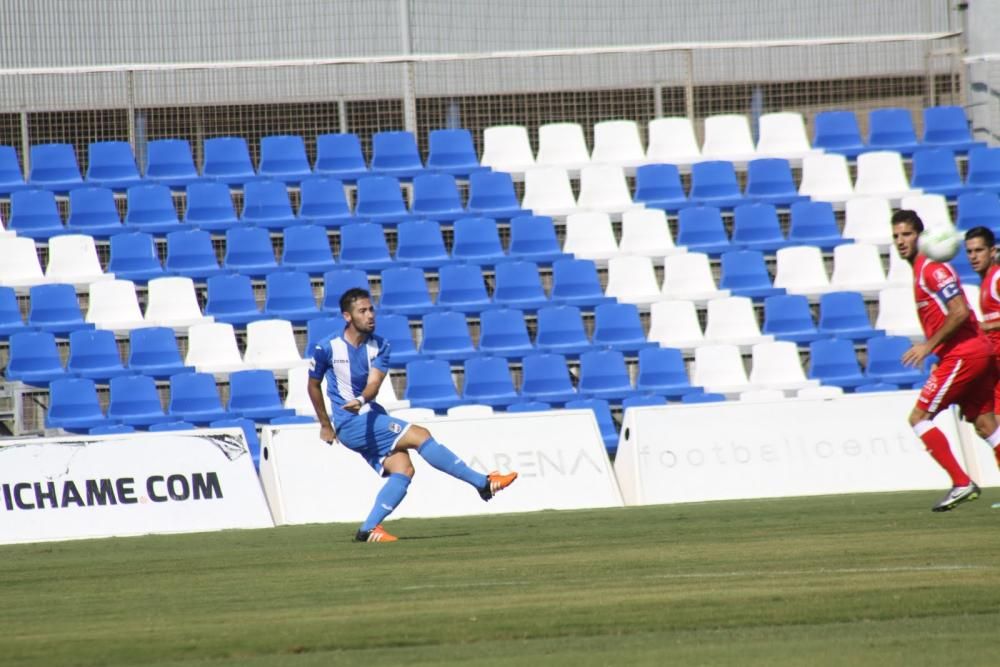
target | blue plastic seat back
x=395, y=150
x=833, y=361
x=227, y=159
x=33, y=352
x=323, y=201
x=379, y=196
x=363, y=242
x=134, y=252
x=253, y=390
x=946, y=125
x=489, y=378
x=94, y=351
x=134, y=396
x=340, y=154
x=229, y=295
x=642, y=400
x=544, y=374
x=519, y=282
x=446, y=332
x=249, y=245
x=288, y=291
x=430, y=380
x=770, y=177
x=420, y=241
x=190, y=253
x=266, y=203
x=533, y=236
x=54, y=165
x=111, y=161
x=891, y=128
x=10, y=313
x=194, y=392
x=153, y=347
x=338, y=281
x=842, y=311
x=788, y=314
x=436, y=194
x=935, y=170
x=319, y=328
x=11, y=175
x=742, y=269
x=756, y=223
x=283, y=157
x=529, y=406
x=885, y=359
x=461, y=286
x=977, y=209
x=34, y=213
x=699, y=226
x=661, y=366
x=714, y=178
x=659, y=183
x=984, y=168
x=477, y=240
x=491, y=190
x=93, y=209
x=150, y=204
x=575, y=279
x=73, y=399
x=170, y=160
x=561, y=325
x=396, y=330
x=306, y=244
x=405, y=287
x=813, y=220
x=56, y=308
x=209, y=204
x=837, y=130
x=602, y=413
x=603, y=370
x=503, y=330
x=452, y=151
x=617, y=324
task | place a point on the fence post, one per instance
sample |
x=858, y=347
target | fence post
x=25, y=144
x=342, y=115
x=658, y=101
x=689, y=85
x=409, y=90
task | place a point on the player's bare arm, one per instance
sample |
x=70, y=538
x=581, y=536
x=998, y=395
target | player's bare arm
x=326, y=430
x=958, y=313
x=375, y=378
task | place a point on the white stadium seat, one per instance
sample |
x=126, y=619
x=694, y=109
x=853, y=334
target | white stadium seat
x=881, y=174
x=800, y=270
x=732, y=320
x=590, y=236
x=506, y=148
x=212, y=349
x=271, y=346
x=20, y=266
x=777, y=365
x=727, y=137
x=547, y=191
x=646, y=232
x=672, y=141
x=825, y=177
x=172, y=302
x=689, y=276
x=114, y=305
x=298, y=395
x=675, y=324
x=617, y=142
x=632, y=279
x=603, y=188
x=857, y=267
x=562, y=145
x=783, y=134
x=73, y=259
x=868, y=220
x=932, y=209
x=719, y=368
x=897, y=313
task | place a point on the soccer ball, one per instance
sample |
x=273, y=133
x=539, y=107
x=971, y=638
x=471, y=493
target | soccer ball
x=939, y=243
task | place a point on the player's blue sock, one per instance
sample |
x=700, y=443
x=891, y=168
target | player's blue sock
x=445, y=460
x=388, y=498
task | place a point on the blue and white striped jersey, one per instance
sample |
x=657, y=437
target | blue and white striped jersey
x=346, y=369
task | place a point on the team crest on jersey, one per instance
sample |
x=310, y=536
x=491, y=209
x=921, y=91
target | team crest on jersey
x=395, y=428
x=941, y=274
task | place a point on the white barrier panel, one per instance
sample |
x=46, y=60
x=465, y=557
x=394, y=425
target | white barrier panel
x=134, y=484
x=851, y=444
x=560, y=459
x=981, y=463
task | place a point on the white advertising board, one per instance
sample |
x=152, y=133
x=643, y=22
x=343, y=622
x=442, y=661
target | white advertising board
x=559, y=457
x=851, y=444
x=980, y=461
x=134, y=484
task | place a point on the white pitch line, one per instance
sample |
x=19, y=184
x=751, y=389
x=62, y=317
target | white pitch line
x=822, y=570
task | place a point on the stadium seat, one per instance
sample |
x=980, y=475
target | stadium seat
x=977, y=209
x=838, y=132
x=20, y=266
x=11, y=176
x=529, y=406
x=395, y=154
x=727, y=137
x=833, y=361
x=249, y=251
x=603, y=374
x=646, y=232
x=169, y=162
x=380, y=200
x=744, y=273
x=713, y=183
x=674, y=323
x=461, y=287
x=932, y=209
x=900, y=271
x=968, y=277
x=110, y=164
x=533, y=238
x=289, y=296
x=867, y=220
x=700, y=229
x=719, y=369
x=283, y=158
x=672, y=141
x=814, y=223
x=396, y=330
x=34, y=215
x=266, y=204
x=73, y=406
x=881, y=174
x=602, y=413
x=519, y=285
x=826, y=178
x=546, y=379
x=689, y=276
x=429, y=385
x=617, y=142
x=227, y=160
x=617, y=326
x=153, y=351
x=435, y=197
x=897, y=313
x=590, y=236
x=662, y=372
x=363, y=246
x=297, y=397
x=603, y=188
x=492, y=195
x=477, y=241
x=73, y=259
x=788, y=317
x=92, y=211
x=172, y=426
x=210, y=207
x=777, y=365
x=114, y=305
x=55, y=308
x=575, y=282
x=770, y=181
x=783, y=135
x=935, y=171
x=984, y=169
x=11, y=321
x=561, y=331
x=487, y=381
x=271, y=346
x=231, y=299
x=947, y=127
x=33, y=359
x=562, y=145
x=446, y=336
x=340, y=156
x=404, y=292
x=659, y=186
x=731, y=320
x=503, y=333
x=756, y=227
x=307, y=249
x=643, y=400
x=843, y=315
x=884, y=362
x=212, y=349
x=94, y=355
x=452, y=152
x=322, y=201
x=858, y=267
x=135, y=401
x=319, y=328
x=338, y=281
x=971, y=291
x=54, y=168
x=254, y=395
x=632, y=279
x=151, y=210
x=891, y=130
x=547, y=191
x=800, y=270
x=506, y=148
x=172, y=302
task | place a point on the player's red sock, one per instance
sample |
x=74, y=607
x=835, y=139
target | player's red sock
x=938, y=447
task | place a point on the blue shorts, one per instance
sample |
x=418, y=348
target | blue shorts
x=372, y=435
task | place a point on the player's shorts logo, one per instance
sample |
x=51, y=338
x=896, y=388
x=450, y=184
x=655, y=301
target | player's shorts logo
x=395, y=428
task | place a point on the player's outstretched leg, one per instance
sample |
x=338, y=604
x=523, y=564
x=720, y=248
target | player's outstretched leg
x=446, y=461
x=392, y=493
x=963, y=488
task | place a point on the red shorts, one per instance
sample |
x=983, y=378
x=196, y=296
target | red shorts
x=969, y=382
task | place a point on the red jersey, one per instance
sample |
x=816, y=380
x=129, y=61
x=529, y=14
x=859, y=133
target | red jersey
x=934, y=285
x=989, y=302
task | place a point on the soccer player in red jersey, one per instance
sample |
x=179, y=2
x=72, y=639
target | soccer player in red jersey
x=966, y=371
x=980, y=248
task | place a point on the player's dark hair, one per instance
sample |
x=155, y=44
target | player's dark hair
x=348, y=298
x=984, y=233
x=909, y=217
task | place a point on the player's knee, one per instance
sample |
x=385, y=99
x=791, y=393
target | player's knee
x=418, y=435
x=917, y=416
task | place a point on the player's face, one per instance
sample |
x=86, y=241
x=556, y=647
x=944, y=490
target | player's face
x=904, y=236
x=362, y=316
x=980, y=255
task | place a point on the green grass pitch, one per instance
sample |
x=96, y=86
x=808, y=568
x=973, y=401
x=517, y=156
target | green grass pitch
x=842, y=580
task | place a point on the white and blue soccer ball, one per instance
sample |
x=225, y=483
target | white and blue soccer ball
x=940, y=243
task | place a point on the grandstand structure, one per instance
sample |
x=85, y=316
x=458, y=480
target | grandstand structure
x=593, y=213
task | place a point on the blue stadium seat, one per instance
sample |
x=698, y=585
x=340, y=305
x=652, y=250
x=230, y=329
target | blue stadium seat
x=153, y=351
x=111, y=428
x=110, y=164
x=55, y=308
x=210, y=207
x=254, y=395
x=340, y=156
x=92, y=211
x=133, y=257
x=488, y=382
x=169, y=162
x=885, y=364
x=814, y=223
x=756, y=227
x=788, y=317
x=319, y=328
x=249, y=433
x=491, y=194
x=978, y=209
x=227, y=160
x=446, y=336
x=363, y=246
x=172, y=426
x=73, y=406
x=294, y=419
x=700, y=229
x=833, y=361
x=151, y=209
x=11, y=321
x=659, y=186
x=533, y=238
x=322, y=201
x=477, y=241
x=662, y=372
x=744, y=273
x=11, y=176
x=452, y=152
x=546, y=379
x=643, y=400
x=190, y=253
x=380, y=200
x=33, y=213
x=34, y=359
x=94, y=355
x=54, y=167
x=461, y=287
x=575, y=283
x=713, y=183
x=844, y=315
x=249, y=251
x=307, y=248
x=935, y=171
x=283, y=157
x=892, y=129
x=561, y=331
x=519, y=285
x=617, y=325
x=231, y=299
x=602, y=413
x=396, y=330
x=838, y=132
x=194, y=397
x=429, y=385
x=135, y=401
x=404, y=291
x=266, y=204
x=435, y=197
x=966, y=274
x=529, y=406
x=419, y=243
x=394, y=153
x=503, y=333
x=289, y=296
x=338, y=281
x=770, y=181
x=703, y=397
x=947, y=127
x=603, y=374
x=984, y=169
